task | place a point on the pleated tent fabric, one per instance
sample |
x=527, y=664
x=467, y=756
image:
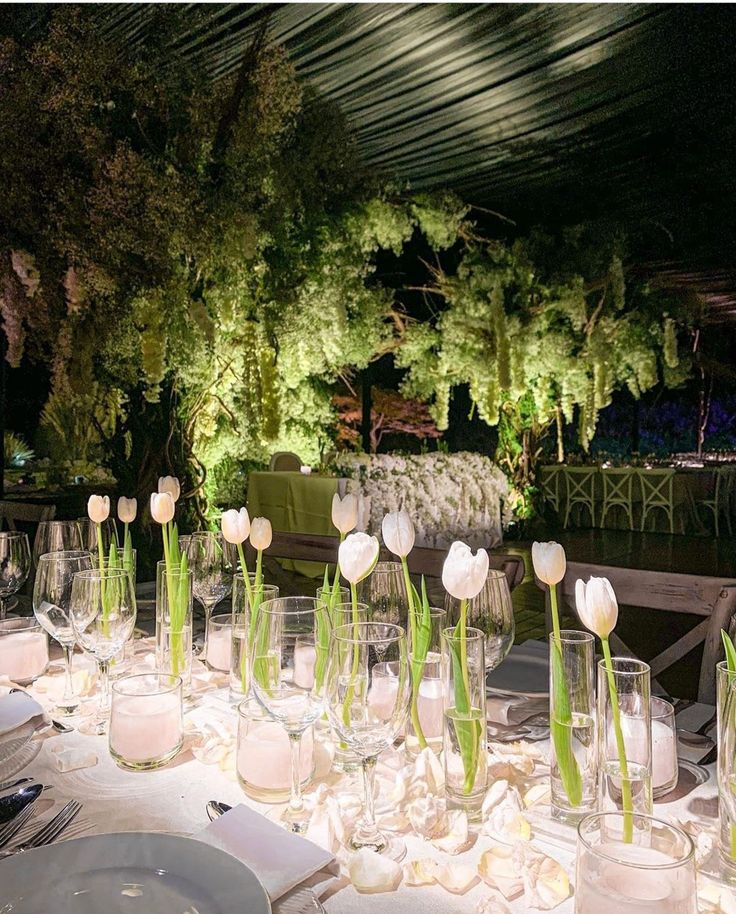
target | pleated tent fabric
x=546, y=112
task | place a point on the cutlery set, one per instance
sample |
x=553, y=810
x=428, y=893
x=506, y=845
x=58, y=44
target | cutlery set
x=16, y=810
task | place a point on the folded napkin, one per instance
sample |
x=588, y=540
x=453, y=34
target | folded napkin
x=512, y=710
x=279, y=859
x=17, y=708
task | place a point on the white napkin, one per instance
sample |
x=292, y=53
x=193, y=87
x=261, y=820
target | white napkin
x=279, y=859
x=15, y=709
x=510, y=710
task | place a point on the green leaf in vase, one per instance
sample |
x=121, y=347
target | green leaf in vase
x=467, y=731
x=561, y=732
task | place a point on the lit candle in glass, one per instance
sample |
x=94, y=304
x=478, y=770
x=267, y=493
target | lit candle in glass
x=24, y=650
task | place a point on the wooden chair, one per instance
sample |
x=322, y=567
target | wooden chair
x=13, y=513
x=285, y=461
x=657, y=491
x=549, y=483
x=712, y=598
x=724, y=493
x=580, y=490
x=617, y=492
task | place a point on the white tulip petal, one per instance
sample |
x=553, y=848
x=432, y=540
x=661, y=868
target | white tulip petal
x=464, y=574
x=458, y=837
x=357, y=556
x=421, y=872
x=538, y=793
x=162, y=507
x=597, y=606
x=456, y=878
x=505, y=821
x=171, y=485
x=235, y=525
x=714, y=898
x=261, y=533
x=496, y=793
x=127, y=509
x=549, y=562
x=98, y=508
x=427, y=816
x=497, y=869
x=371, y=872
x=546, y=884
x=428, y=775
x=345, y=512
x=397, y=531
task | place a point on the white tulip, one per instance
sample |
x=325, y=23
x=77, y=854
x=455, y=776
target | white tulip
x=398, y=533
x=464, y=574
x=171, y=485
x=345, y=512
x=357, y=556
x=597, y=606
x=98, y=508
x=549, y=562
x=235, y=525
x=162, y=507
x=127, y=509
x=261, y=533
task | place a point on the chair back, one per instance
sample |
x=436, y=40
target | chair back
x=26, y=514
x=617, y=482
x=656, y=486
x=285, y=461
x=549, y=483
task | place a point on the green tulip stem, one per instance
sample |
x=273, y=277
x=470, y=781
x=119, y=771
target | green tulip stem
x=620, y=745
x=103, y=598
x=356, y=659
x=418, y=665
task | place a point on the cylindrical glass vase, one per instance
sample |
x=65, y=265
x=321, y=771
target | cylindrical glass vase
x=465, y=742
x=573, y=746
x=174, y=622
x=624, y=728
x=427, y=701
x=220, y=644
x=263, y=754
x=242, y=616
x=24, y=650
x=726, y=729
x=146, y=720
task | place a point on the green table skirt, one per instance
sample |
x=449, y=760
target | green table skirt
x=294, y=503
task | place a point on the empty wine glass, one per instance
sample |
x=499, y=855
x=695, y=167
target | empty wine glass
x=56, y=536
x=367, y=698
x=384, y=591
x=15, y=564
x=287, y=671
x=212, y=572
x=103, y=612
x=493, y=613
x=52, y=594
x=88, y=533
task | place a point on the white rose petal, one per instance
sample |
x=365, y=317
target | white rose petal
x=371, y=872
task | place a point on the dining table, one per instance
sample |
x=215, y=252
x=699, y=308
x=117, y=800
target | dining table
x=174, y=800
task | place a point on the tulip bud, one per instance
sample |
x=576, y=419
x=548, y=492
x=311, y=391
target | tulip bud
x=344, y=512
x=98, y=508
x=464, y=574
x=549, y=562
x=261, y=533
x=398, y=533
x=357, y=556
x=171, y=485
x=235, y=525
x=597, y=606
x=162, y=507
x=127, y=509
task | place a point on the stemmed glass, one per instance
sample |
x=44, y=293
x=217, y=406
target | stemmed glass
x=212, y=572
x=52, y=594
x=367, y=698
x=493, y=613
x=287, y=675
x=15, y=564
x=88, y=533
x=56, y=536
x=103, y=612
x=385, y=593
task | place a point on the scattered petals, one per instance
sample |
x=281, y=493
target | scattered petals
x=715, y=899
x=427, y=817
x=539, y=793
x=458, y=837
x=372, y=873
x=546, y=883
x=492, y=905
x=497, y=869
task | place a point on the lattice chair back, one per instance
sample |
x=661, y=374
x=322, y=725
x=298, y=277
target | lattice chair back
x=724, y=498
x=550, y=484
x=617, y=492
x=580, y=490
x=657, y=492
x=285, y=462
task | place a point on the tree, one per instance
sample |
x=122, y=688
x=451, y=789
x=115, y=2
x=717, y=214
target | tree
x=390, y=414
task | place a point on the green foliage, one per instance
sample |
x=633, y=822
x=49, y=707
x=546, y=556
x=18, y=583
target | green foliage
x=16, y=451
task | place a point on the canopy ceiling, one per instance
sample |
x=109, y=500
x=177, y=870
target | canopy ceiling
x=545, y=112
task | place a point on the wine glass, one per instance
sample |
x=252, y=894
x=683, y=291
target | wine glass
x=367, y=698
x=52, y=593
x=385, y=593
x=492, y=611
x=88, y=533
x=290, y=646
x=103, y=612
x=15, y=564
x=212, y=573
x=56, y=536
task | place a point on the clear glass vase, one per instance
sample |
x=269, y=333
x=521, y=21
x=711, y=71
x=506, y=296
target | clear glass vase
x=174, y=623
x=726, y=709
x=243, y=615
x=464, y=742
x=573, y=746
x=628, y=782
x=146, y=720
x=427, y=702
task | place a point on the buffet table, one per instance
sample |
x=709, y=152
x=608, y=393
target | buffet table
x=173, y=799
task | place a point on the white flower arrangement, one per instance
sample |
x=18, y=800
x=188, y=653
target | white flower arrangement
x=448, y=496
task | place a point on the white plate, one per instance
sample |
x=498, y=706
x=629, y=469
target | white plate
x=525, y=672
x=130, y=873
x=15, y=740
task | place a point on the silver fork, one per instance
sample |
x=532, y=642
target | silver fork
x=11, y=829
x=50, y=831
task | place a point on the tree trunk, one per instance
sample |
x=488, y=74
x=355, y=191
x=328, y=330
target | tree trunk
x=365, y=424
x=560, y=434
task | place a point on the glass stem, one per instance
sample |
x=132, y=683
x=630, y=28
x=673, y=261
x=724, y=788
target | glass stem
x=296, y=804
x=103, y=667
x=207, y=616
x=68, y=684
x=368, y=829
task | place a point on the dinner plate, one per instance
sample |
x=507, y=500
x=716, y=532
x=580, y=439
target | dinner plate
x=12, y=742
x=129, y=873
x=524, y=672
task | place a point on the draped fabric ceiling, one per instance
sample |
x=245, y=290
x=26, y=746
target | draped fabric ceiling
x=546, y=112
